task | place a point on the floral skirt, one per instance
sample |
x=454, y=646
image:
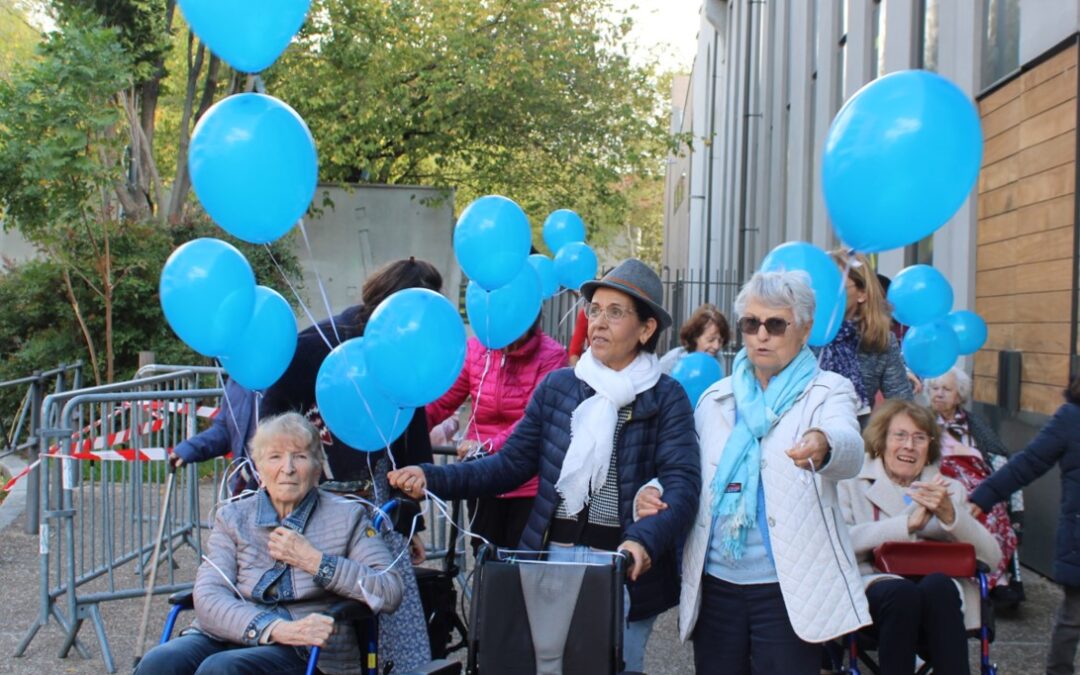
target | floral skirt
x=970, y=471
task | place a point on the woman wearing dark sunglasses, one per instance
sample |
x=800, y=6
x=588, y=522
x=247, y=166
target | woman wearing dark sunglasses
x=765, y=555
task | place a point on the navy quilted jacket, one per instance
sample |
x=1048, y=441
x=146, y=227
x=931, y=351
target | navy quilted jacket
x=658, y=441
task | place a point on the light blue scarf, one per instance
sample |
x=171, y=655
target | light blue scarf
x=756, y=412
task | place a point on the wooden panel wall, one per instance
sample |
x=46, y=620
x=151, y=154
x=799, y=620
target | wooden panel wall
x=1026, y=211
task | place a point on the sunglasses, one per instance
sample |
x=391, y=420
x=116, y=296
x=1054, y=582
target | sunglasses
x=774, y=325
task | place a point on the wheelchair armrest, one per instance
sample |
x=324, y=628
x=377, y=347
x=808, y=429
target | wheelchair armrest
x=183, y=599
x=349, y=610
x=980, y=566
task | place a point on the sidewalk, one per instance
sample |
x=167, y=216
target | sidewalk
x=1020, y=648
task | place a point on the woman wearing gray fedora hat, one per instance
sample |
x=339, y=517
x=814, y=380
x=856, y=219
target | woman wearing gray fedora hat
x=596, y=434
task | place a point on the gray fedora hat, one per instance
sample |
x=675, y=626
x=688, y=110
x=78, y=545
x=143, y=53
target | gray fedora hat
x=638, y=280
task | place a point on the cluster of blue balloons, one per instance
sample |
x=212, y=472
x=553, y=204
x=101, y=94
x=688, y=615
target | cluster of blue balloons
x=507, y=286
x=922, y=298
x=826, y=279
x=412, y=351
x=210, y=300
x=900, y=158
x=696, y=372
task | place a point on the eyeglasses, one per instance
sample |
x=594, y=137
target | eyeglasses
x=614, y=313
x=904, y=437
x=774, y=325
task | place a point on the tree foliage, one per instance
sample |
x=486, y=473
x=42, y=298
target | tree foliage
x=17, y=37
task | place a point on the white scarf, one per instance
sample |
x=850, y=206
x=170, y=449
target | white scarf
x=592, y=427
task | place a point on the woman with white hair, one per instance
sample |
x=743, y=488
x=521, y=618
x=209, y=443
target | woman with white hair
x=766, y=553
x=970, y=452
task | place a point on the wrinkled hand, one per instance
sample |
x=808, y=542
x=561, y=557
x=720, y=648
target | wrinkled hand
x=176, y=461
x=642, y=561
x=311, y=631
x=813, y=446
x=976, y=512
x=417, y=550
x=466, y=448
x=917, y=519
x=934, y=495
x=409, y=480
x=648, y=503
x=293, y=548
x=916, y=383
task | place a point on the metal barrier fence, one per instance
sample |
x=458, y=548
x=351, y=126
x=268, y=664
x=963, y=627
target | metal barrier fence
x=100, y=488
x=20, y=435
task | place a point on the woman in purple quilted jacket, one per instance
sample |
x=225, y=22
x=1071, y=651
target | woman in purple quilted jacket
x=500, y=383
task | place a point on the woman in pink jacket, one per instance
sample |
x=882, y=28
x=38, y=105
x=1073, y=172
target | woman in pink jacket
x=500, y=383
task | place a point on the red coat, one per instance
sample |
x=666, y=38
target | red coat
x=507, y=387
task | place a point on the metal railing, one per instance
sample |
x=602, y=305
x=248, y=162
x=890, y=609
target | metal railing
x=101, y=480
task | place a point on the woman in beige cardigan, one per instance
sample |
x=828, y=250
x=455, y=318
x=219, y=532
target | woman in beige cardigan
x=901, y=496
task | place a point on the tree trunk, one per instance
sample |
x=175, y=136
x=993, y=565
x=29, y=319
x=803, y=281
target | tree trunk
x=107, y=288
x=190, y=117
x=90, y=348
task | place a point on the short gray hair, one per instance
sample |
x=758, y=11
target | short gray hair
x=780, y=290
x=290, y=425
x=963, y=382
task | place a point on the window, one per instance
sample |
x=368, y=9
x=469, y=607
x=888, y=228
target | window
x=1000, y=40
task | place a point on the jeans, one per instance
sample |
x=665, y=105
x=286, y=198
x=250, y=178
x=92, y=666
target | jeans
x=1065, y=635
x=636, y=633
x=745, y=628
x=923, y=617
x=202, y=655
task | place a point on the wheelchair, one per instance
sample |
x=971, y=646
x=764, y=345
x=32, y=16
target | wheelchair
x=917, y=559
x=527, y=617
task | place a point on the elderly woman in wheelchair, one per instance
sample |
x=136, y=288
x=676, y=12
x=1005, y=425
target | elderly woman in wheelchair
x=275, y=561
x=900, y=496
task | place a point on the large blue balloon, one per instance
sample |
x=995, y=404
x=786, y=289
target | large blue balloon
x=563, y=227
x=900, y=158
x=575, y=264
x=352, y=405
x=415, y=343
x=931, y=349
x=970, y=330
x=253, y=166
x=264, y=349
x=249, y=35
x=503, y=315
x=697, y=372
x=492, y=239
x=207, y=291
x=545, y=270
x=826, y=278
x=920, y=294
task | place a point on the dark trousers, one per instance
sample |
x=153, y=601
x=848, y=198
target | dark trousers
x=921, y=617
x=744, y=629
x=499, y=520
x=1065, y=635
x=196, y=653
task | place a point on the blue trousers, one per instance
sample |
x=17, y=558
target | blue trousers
x=202, y=655
x=744, y=629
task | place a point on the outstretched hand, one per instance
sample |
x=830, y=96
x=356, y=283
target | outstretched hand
x=409, y=480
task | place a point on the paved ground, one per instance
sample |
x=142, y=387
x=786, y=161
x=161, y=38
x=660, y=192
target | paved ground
x=1022, y=638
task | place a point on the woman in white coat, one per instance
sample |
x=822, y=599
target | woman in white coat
x=768, y=571
x=900, y=495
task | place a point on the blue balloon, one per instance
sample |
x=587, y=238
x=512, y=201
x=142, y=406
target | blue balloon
x=826, y=279
x=264, y=349
x=696, y=372
x=492, y=239
x=563, y=227
x=575, y=264
x=920, y=294
x=207, y=292
x=253, y=166
x=249, y=35
x=931, y=348
x=900, y=158
x=970, y=330
x=351, y=404
x=415, y=343
x=545, y=270
x=503, y=315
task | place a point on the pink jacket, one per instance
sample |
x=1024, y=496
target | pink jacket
x=507, y=386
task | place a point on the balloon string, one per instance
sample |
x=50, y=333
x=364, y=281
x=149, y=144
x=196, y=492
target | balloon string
x=299, y=300
x=572, y=309
x=319, y=281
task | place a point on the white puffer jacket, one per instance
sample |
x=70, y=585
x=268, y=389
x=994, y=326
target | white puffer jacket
x=818, y=575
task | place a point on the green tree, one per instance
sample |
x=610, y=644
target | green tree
x=18, y=37
x=535, y=99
